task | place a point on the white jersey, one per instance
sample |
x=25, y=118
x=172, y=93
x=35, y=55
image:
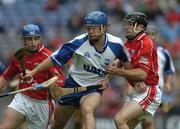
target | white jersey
x=165, y=64
x=89, y=64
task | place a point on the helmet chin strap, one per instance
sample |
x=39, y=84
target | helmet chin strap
x=102, y=29
x=135, y=31
x=135, y=28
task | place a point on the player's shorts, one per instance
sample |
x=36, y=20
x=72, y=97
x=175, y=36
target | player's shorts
x=149, y=100
x=35, y=111
x=74, y=98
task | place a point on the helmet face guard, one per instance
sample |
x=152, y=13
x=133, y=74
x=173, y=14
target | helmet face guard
x=30, y=30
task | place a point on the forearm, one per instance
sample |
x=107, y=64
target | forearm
x=43, y=65
x=3, y=83
x=133, y=74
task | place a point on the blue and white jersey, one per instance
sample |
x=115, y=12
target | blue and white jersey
x=2, y=68
x=89, y=64
x=165, y=64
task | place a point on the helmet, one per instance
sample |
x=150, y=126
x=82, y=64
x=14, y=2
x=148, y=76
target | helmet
x=95, y=18
x=151, y=29
x=30, y=30
x=137, y=17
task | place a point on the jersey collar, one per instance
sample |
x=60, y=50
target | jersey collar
x=40, y=47
x=140, y=36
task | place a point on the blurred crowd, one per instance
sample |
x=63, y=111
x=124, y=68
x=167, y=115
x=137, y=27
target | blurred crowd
x=61, y=20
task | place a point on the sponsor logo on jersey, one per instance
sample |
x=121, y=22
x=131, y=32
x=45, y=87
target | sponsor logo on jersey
x=94, y=70
x=97, y=55
x=107, y=61
x=144, y=60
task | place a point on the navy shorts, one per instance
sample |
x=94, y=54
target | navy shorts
x=74, y=98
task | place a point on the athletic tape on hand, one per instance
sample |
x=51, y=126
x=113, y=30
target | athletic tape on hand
x=39, y=86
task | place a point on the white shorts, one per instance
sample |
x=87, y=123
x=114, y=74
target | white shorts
x=35, y=111
x=149, y=100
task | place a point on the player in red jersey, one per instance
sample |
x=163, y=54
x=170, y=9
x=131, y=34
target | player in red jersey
x=33, y=107
x=146, y=95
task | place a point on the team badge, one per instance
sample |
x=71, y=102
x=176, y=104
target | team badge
x=107, y=61
x=144, y=60
x=132, y=51
x=86, y=54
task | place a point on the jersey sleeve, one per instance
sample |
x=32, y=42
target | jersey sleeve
x=2, y=68
x=145, y=57
x=11, y=71
x=120, y=52
x=169, y=66
x=65, y=52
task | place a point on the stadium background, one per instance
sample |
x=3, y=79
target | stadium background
x=61, y=20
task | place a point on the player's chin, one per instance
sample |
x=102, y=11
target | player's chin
x=33, y=50
x=93, y=39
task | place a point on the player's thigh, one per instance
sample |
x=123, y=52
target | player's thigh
x=90, y=101
x=12, y=119
x=130, y=111
x=63, y=113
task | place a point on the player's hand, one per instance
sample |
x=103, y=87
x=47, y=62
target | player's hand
x=140, y=87
x=117, y=63
x=104, y=84
x=29, y=75
x=112, y=69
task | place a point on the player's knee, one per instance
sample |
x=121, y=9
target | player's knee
x=119, y=120
x=87, y=110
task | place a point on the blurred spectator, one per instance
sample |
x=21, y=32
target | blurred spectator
x=40, y=22
x=6, y=2
x=150, y=8
x=52, y=5
x=75, y=23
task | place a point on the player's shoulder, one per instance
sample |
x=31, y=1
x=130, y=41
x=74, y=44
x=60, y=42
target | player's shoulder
x=45, y=51
x=78, y=40
x=114, y=39
x=159, y=48
x=163, y=50
x=146, y=41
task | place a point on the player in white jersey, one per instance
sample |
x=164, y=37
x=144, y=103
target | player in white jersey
x=91, y=53
x=166, y=72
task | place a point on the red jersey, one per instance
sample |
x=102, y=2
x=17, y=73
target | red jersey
x=31, y=61
x=143, y=54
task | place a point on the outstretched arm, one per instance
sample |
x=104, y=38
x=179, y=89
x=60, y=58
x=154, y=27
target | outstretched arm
x=3, y=83
x=135, y=74
x=41, y=67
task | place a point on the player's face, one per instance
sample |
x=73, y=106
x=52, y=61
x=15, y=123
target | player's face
x=32, y=43
x=95, y=33
x=128, y=28
x=131, y=29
